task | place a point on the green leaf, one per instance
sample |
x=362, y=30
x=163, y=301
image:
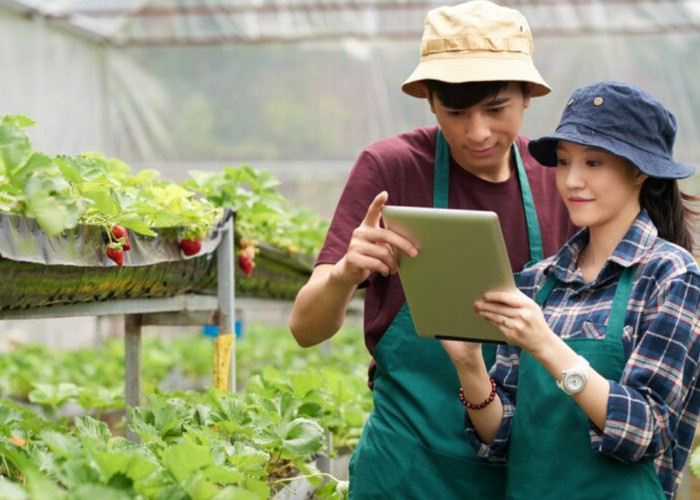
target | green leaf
x=53, y=395
x=49, y=200
x=141, y=422
x=170, y=416
x=95, y=429
x=304, y=383
x=303, y=436
x=249, y=459
x=231, y=408
x=69, y=168
x=103, y=492
x=129, y=463
x=101, y=397
x=223, y=475
x=104, y=202
x=37, y=163
x=199, y=488
x=15, y=146
x=136, y=224
x=62, y=445
x=184, y=459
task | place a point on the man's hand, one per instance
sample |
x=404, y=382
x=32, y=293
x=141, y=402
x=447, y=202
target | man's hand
x=372, y=248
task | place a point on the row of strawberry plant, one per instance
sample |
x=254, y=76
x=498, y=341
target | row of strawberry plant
x=62, y=191
x=194, y=444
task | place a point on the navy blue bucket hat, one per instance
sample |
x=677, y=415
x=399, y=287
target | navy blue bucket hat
x=621, y=119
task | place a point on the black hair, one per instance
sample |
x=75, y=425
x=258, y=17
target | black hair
x=670, y=210
x=466, y=95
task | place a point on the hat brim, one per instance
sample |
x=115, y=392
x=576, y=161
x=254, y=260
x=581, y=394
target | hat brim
x=544, y=151
x=474, y=69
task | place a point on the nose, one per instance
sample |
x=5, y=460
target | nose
x=573, y=176
x=478, y=128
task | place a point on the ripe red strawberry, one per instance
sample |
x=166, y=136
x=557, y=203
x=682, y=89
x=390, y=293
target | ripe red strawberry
x=116, y=254
x=245, y=263
x=190, y=246
x=119, y=232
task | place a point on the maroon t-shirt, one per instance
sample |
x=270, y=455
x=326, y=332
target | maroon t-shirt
x=403, y=166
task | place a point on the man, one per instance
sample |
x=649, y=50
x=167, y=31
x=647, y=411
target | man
x=477, y=74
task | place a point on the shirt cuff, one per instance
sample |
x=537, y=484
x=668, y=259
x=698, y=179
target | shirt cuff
x=498, y=450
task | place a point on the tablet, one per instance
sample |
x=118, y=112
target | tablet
x=462, y=254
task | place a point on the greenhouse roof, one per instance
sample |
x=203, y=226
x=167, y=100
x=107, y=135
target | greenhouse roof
x=214, y=22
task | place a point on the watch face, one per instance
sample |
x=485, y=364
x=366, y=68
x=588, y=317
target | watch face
x=575, y=382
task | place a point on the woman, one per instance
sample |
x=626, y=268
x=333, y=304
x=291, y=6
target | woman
x=597, y=396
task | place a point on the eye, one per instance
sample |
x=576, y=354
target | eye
x=562, y=162
x=455, y=112
x=593, y=162
x=496, y=110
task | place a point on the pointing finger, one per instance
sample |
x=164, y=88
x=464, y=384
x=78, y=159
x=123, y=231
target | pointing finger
x=374, y=212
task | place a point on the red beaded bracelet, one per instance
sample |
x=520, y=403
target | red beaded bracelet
x=484, y=403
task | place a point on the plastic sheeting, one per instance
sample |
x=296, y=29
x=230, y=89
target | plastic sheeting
x=41, y=270
x=228, y=90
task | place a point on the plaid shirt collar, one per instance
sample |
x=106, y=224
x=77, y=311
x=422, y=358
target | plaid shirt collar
x=630, y=251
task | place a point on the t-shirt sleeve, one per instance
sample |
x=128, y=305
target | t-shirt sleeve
x=364, y=183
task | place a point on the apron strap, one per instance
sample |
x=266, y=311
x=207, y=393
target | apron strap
x=533, y=226
x=616, y=320
x=442, y=172
x=546, y=289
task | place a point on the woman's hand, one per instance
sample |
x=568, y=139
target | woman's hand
x=519, y=318
x=464, y=355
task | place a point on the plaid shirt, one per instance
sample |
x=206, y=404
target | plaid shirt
x=653, y=409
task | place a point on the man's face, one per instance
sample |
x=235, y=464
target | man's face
x=480, y=136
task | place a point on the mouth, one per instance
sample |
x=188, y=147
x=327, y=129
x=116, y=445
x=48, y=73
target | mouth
x=578, y=201
x=480, y=153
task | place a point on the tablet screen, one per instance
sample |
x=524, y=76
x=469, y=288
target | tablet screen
x=462, y=254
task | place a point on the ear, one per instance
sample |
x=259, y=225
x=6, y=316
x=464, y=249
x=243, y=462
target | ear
x=639, y=178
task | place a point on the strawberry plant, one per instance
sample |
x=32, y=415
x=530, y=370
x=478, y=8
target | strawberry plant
x=62, y=191
x=208, y=444
x=263, y=214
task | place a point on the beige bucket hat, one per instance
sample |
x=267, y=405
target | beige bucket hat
x=475, y=41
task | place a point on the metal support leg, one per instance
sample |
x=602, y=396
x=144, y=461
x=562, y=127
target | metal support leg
x=132, y=366
x=226, y=293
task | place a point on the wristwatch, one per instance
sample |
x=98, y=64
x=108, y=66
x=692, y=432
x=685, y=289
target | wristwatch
x=574, y=379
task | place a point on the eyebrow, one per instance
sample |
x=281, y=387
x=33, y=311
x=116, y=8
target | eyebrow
x=496, y=101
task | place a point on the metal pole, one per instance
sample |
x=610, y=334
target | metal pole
x=226, y=294
x=132, y=366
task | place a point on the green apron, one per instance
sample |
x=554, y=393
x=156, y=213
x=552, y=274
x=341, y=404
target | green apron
x=550, y=452
x=413, y=445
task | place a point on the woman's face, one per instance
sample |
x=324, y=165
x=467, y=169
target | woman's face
x=599, y=189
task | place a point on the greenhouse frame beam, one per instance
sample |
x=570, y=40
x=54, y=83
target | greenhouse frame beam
x=404, y=35
x=317, y=6
x=208, y=10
